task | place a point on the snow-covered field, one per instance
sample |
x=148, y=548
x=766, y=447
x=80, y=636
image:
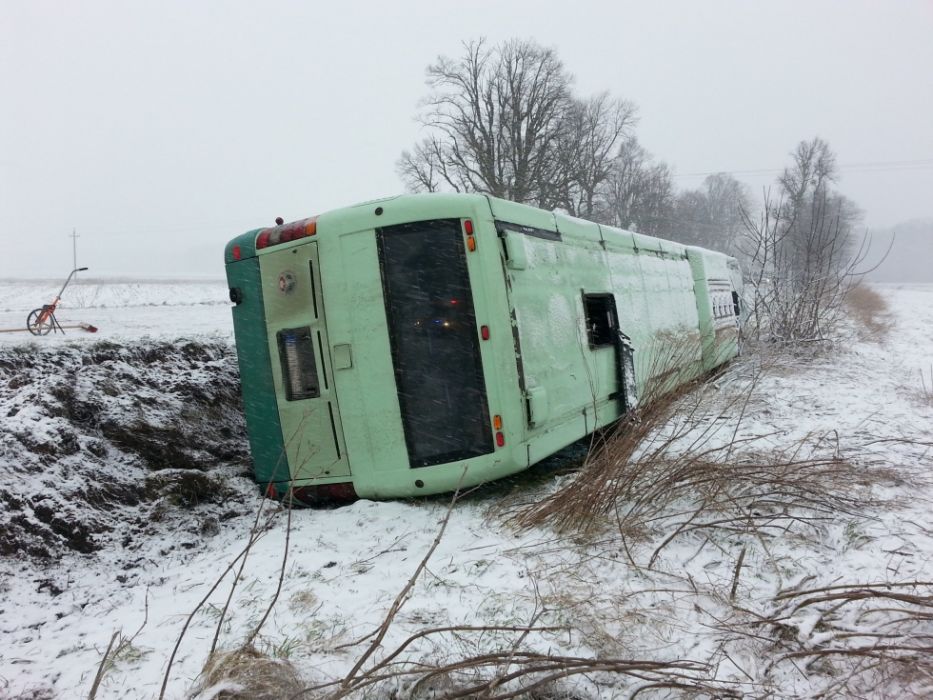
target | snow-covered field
x=151, y=562
x=119, y=308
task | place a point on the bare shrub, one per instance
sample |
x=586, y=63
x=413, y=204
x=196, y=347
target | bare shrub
x=590, y=496
x=800, y=255
x=587, y=501
x=869, y=308
x=798, y=278
x=246, y=674
x=862, y=636
x=674, y=469
x=519, y=674
x=512, y=671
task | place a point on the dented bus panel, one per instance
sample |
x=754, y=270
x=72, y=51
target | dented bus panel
x=419, y=343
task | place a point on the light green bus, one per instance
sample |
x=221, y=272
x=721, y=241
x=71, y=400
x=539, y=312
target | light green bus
x=413, y=344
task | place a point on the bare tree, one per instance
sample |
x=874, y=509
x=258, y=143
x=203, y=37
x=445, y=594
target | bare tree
x=587, y=151
x=800, y=252
x=812, y=170
x=625, y=185
x=711, y=216
x=639, y=193
x=495, y=117
x=502, y=120
x=422, y=168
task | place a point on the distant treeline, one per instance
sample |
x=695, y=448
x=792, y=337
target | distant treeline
x=504, y=120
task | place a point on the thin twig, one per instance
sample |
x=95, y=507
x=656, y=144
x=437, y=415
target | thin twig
x=100, y=669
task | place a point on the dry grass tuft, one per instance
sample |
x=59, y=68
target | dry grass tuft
x=869, y=308
x=246, y=674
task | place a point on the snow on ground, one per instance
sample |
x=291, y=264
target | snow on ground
x=345, y=566
x=118, y=308
x=95, y=293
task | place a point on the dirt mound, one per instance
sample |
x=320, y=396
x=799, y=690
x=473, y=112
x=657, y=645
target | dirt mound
x=102, y=440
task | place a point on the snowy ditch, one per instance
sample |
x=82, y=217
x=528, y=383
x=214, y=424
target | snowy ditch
x=126, y=498
x=99, y=440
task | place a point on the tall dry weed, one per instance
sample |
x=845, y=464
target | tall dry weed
x=677, y=467
x=869, y=309
x=926, y=387
x=591, y=496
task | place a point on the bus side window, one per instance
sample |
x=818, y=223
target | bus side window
x=600, y=318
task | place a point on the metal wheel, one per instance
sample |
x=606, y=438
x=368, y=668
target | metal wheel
x=39, y=321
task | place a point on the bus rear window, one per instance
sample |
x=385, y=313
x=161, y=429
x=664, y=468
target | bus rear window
x=299, y=370
x=435, y=348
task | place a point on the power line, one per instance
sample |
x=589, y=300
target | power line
x=868, y=166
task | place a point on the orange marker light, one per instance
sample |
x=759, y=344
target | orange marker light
x=311, y=226
x=471, y=243
x=497, y=422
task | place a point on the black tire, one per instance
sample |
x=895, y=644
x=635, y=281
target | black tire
x=33, y=324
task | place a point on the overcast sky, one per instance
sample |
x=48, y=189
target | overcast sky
x=159, y=130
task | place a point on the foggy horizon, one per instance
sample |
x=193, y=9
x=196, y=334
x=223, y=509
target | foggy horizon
x=160, y=132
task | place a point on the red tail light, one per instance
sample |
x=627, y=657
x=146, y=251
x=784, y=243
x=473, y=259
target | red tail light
x=468, y=229
x=286, y=233
x=484, y=332
x=500, y=440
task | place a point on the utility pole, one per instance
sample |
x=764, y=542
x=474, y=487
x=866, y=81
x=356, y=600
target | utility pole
x=74, y=251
